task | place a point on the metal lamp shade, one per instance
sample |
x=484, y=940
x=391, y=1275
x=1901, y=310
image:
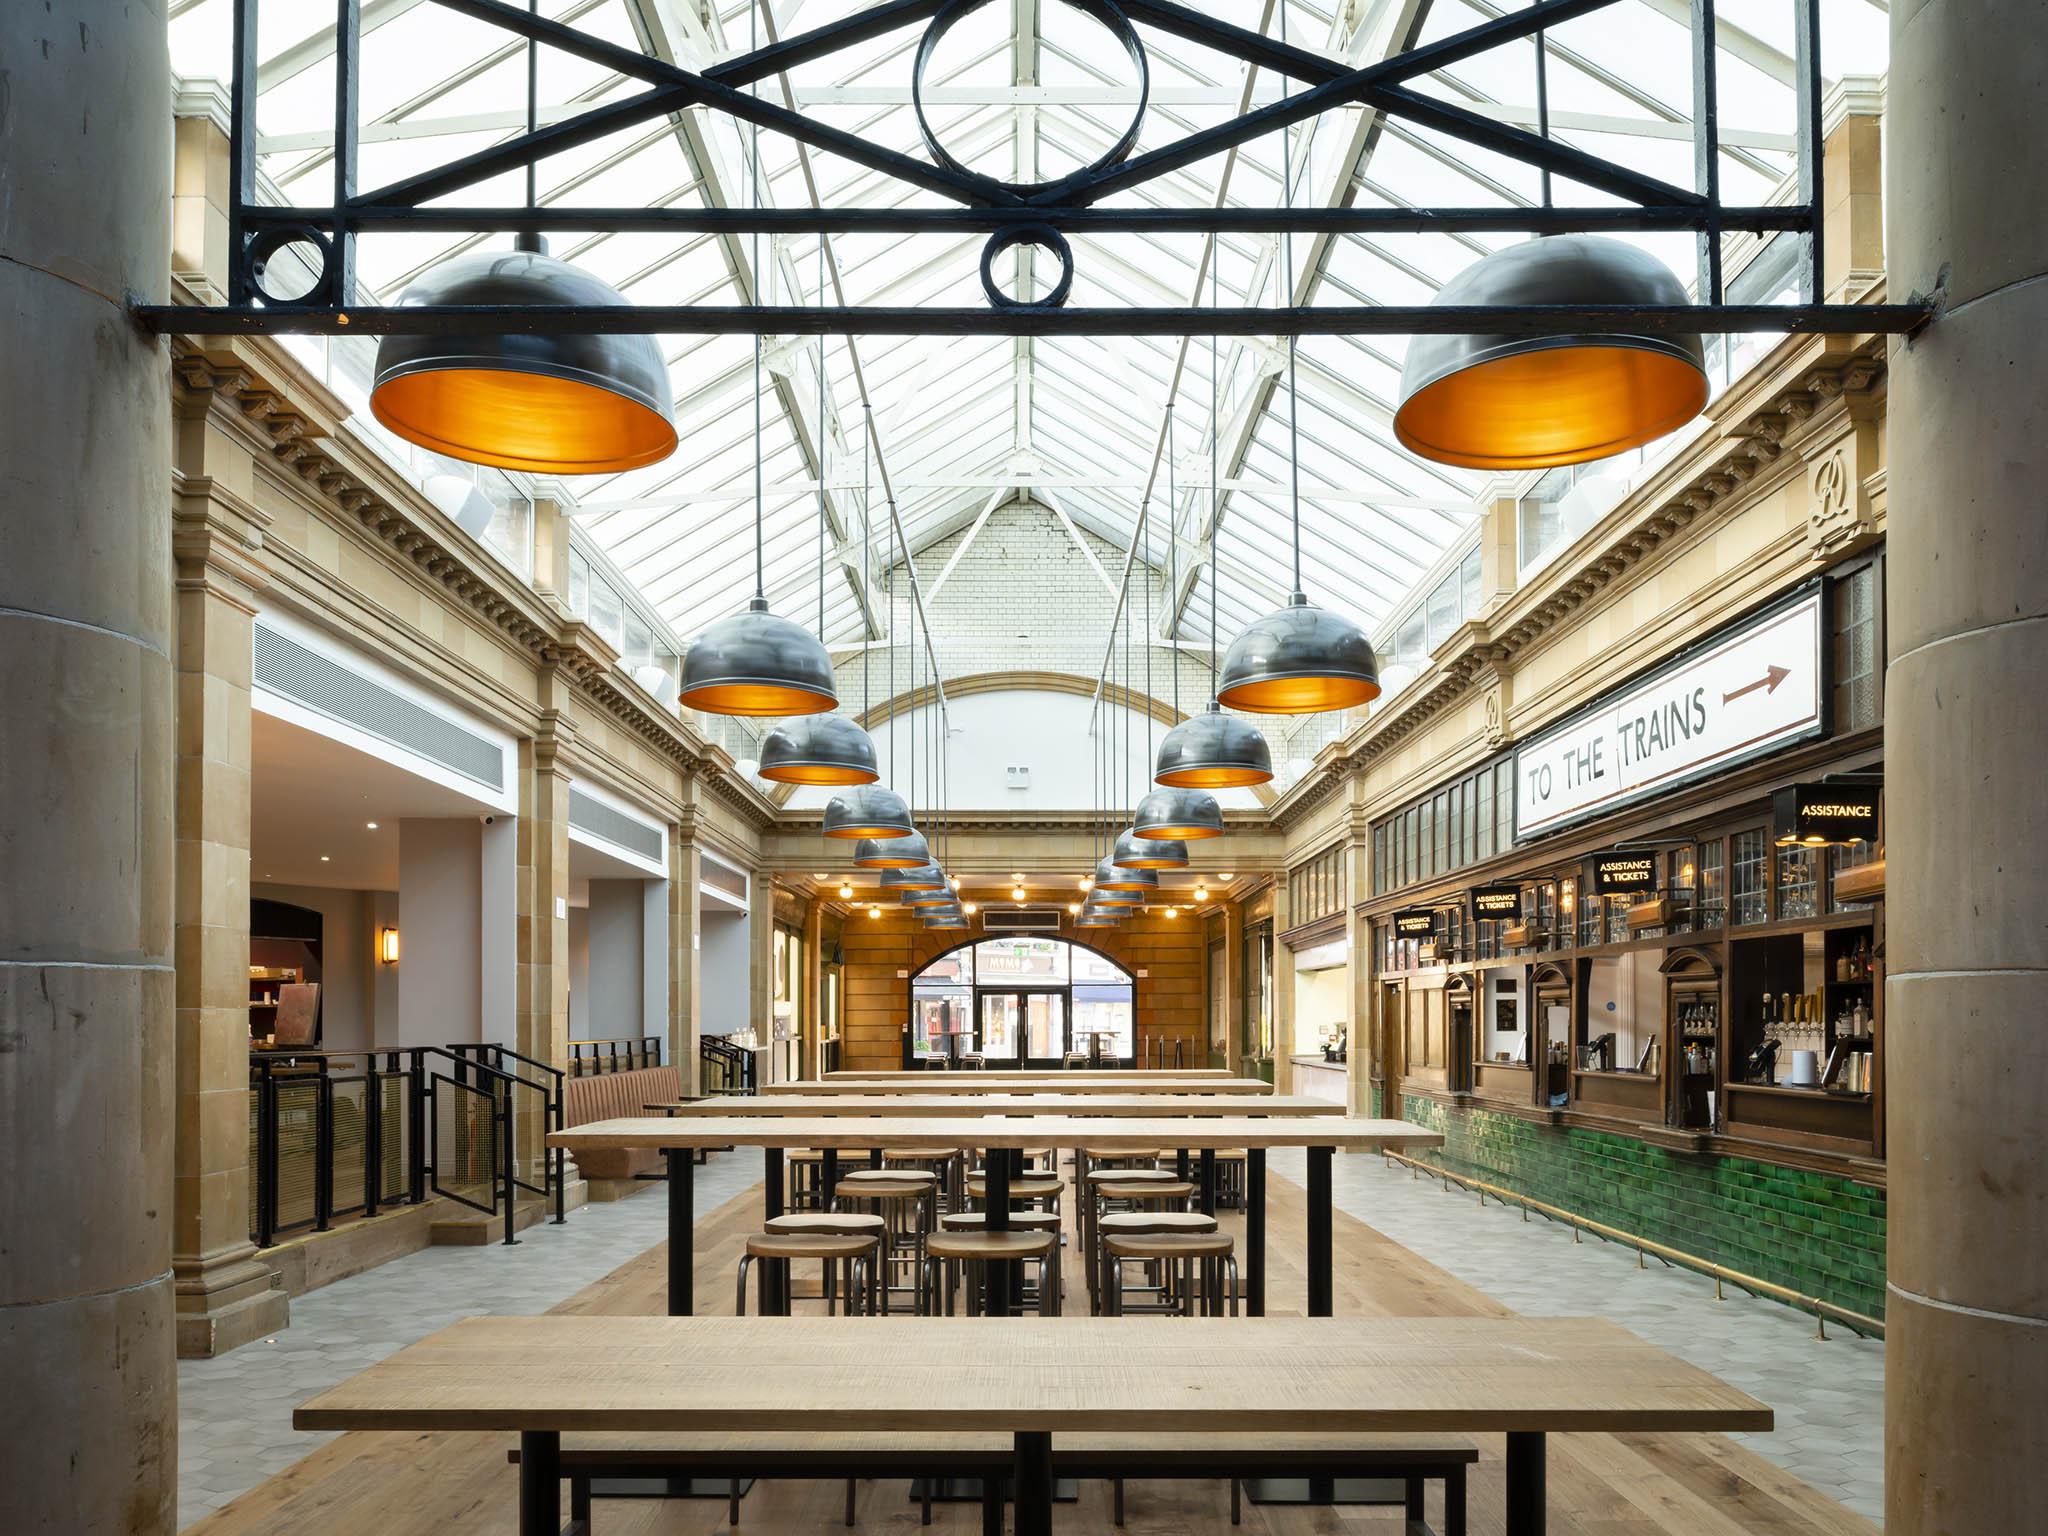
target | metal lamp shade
x=818, y=749
x=1528, y=402
x=1212, y=750
x=925, y=898
x=1299, y=660
x=868, y=812
x=754, y=663
x=952, y=919
x=1135, y=852
x=1110, y=879
x=1116, y=903
x=570, y=403
x=927, y=877
x=1094, y=920
x=1186, y=815
x=905, y=852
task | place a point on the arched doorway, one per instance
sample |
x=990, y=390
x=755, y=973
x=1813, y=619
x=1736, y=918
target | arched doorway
x=1021, y=1001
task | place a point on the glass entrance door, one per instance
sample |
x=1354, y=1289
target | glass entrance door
x=1022, y=1029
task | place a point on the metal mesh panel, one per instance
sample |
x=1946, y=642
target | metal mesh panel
x=255, y=1158
x=351, y=1143
x=297, y=1151
x=615, y=827
x=290, y=669
x=465, y=1146
x=393, y=1134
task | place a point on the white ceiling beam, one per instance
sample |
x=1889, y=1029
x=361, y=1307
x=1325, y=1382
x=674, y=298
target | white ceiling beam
x=960, y=550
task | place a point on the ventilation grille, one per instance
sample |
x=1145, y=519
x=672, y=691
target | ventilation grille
x=287, y=668
x=615, y=827
x=720, y=878
x=1024, y=920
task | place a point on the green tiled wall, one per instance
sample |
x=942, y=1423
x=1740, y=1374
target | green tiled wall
x=1817, y=1233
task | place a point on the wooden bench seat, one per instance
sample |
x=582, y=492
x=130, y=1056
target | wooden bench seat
x=867, y=1455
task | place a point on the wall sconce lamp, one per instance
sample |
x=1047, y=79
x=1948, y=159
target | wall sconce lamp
x=387, y=946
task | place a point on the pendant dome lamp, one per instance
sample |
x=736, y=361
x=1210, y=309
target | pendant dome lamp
x=1135, y=852
x=1119, y=899
x=753, y=663
x=1182, y=815
x=1213, y=750
x=925, y=898
x=907, y=850
x=1530, y=402
x=819, y=749
x=1110, y=878
x=928, y=877
x=1300, y=659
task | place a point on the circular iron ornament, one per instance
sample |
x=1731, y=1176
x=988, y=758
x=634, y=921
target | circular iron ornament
x=955, y=11
x=261, y=248
x=1045, y=237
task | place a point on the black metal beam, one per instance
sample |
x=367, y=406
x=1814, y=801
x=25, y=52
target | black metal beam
x=1332, y=320
x=988, y=220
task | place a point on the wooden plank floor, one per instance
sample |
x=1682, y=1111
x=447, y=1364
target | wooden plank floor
x=1600, y=1485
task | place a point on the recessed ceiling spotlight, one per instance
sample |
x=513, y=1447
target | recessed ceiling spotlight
x=324, y=859
x=820, y=875
x=371, y=825
x=1224, y=874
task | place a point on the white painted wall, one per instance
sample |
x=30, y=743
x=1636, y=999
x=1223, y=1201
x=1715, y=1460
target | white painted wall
x=722, y=991
x=617, y=959
x=440, y=924
x=1046, y=733
x=498, y=931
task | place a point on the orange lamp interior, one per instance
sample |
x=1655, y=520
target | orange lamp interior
x=1299, y=695
x=1182, y=834
x=528, y=421
x=818, y=773
x=1213, y=778
x=757, y=699
x=1557, y=405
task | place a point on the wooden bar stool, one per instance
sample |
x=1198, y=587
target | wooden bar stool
x=1109, y=1194
x=944, y=1162
x=1043, y=1189
x=838, y=1224
x=855, y=1252
x=1095, y=1165
x=1198, y=1267
x=951, y=1255
x=908, y=1203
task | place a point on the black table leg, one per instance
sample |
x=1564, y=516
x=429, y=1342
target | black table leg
x=1032, y=1482
x=540, y=1481
x=1255, y=1232
x=771, y=1281
x=682, y=1230
x=828, y=1175
x=1180, y=1164
x=1526, y=1480
x=1208, y=1185
x=1319, y=1231
x=996, y=1218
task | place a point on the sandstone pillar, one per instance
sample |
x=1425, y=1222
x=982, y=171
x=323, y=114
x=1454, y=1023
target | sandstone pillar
x=1966, y=1373
x=89, y=1417
x=685, y=944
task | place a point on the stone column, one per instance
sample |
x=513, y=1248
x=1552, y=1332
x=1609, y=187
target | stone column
x=225, y=1294
x=760, y=1012
x=543, y=914
x=89, y=1416
x=1966, y=1373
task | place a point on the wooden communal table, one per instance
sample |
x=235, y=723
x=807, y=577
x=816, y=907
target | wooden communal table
x=677, y=1138
x=1156, y=1105
x=975, y=1084
x=1032, y=1378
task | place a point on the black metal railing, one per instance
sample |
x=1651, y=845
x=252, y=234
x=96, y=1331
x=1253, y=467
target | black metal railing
x=1159, y=1057
x=544, y=1094
x=342, y=1133
x=588, y=1056
x=724, y=1068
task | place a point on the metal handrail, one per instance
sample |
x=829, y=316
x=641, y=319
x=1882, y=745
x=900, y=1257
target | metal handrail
x=735, y=1065
x=1856, y=1322
x=553, y=1110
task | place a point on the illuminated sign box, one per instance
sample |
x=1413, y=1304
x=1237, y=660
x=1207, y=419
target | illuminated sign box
x=1415, y=923
x=1496, y=901
x=1615, y=874
x=1814, y=815
x=1755, y=688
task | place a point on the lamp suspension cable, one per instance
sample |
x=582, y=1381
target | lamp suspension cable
x=754, y=195
x=1293, y=341
x=821, y=450
x=867, y=591
x=1215, y=496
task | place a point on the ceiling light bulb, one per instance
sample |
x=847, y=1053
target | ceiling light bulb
x=1016, y=877
x=1173, y=911
x=1084, y=883
x=371, y=825
x=1016, y=893
x=1223, y=874
x=324, y=859
x=1073, y=909
x=1201, y=893
x=845, y=891
x=967, y=907
x=956, y=882
x=874, y=911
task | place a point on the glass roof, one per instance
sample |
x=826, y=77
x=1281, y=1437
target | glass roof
x=1024, y=90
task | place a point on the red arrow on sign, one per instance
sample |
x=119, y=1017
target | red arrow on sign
x=1768, y=682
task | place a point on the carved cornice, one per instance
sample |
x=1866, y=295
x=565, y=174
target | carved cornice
x=297, y=421
x=1746, y=457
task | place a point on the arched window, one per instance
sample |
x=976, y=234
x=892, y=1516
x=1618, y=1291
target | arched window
x=1022, y=1001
